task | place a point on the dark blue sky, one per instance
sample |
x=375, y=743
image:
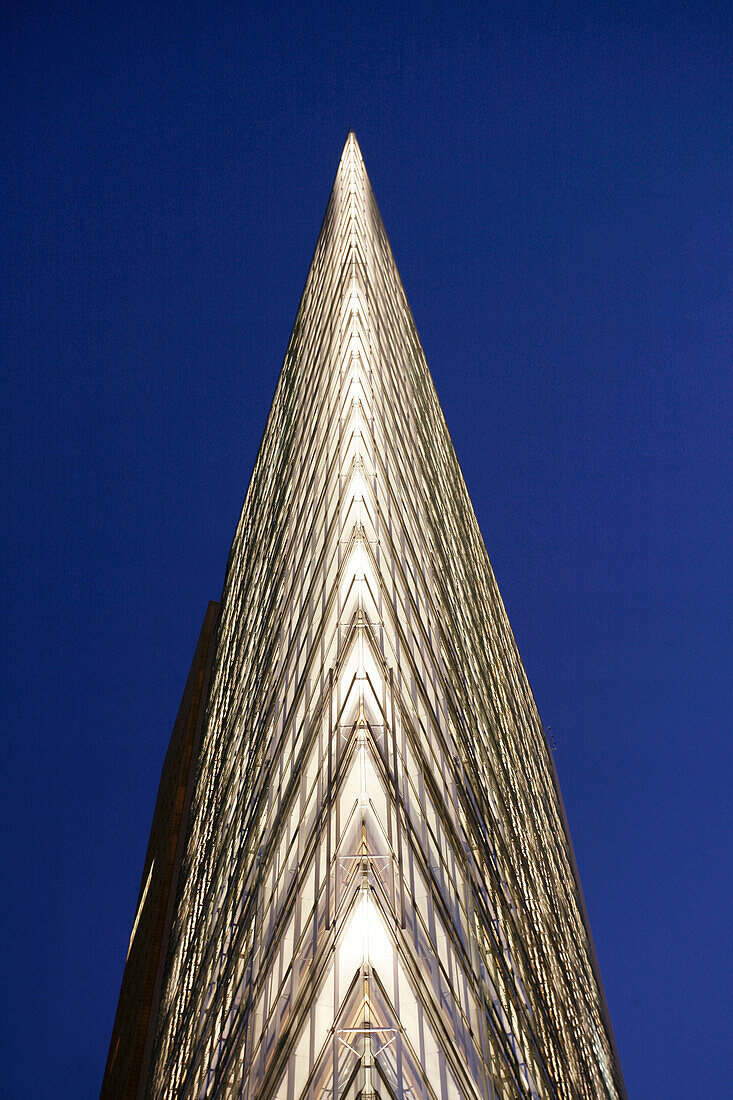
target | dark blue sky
x=556, y=185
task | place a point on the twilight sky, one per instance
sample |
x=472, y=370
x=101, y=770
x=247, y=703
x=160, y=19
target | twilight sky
x=556, y=185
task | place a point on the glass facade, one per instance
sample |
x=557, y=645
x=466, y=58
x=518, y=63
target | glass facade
x=377, y=895
x=128, y=1058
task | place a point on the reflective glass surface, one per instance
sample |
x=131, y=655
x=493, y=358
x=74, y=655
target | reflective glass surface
x=378, y=893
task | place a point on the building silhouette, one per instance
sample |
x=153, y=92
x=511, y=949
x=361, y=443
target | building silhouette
x=371, y=889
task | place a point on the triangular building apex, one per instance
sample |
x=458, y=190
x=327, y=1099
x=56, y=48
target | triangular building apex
x=377, y=892
x=351, y=165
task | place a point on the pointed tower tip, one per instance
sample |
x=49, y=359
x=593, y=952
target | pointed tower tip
x=351, y=162
x=351, y=147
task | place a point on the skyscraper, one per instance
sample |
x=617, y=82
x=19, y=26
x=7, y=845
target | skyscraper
x=376, y=894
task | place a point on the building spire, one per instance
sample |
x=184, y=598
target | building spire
x=377, y=893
